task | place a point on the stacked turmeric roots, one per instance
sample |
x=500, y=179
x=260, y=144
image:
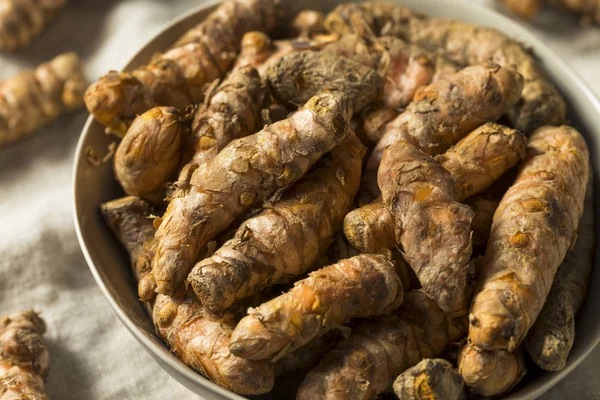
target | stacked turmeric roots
x=376, y=122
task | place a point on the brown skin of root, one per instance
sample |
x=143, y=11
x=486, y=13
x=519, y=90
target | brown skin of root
x=357, y=287
x=464, y=44
x=443, y=112
x=375, y=120
x=244, y=174
x=366, y=363
x=297, y=77
x=435, y=231
x=371, y=228
x=484, y=208
x=178, y=77
x=21, y=21
x=199, y=337
x=34, y=98
x=308, y=23
x=524, y=8
x=284, y=240
x=490, y=373
x=533, y=228
x=24, y=357
x=481, y=157
x=431, y=379
x=232, y=111
x=551, y=338
x=149, y=155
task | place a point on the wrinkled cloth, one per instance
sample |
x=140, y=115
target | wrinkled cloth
x=93, y=356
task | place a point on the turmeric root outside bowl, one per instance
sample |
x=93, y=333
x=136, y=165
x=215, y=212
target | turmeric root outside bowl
x=109, y=263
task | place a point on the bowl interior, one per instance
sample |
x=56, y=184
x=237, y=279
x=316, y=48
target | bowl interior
x=109, y=262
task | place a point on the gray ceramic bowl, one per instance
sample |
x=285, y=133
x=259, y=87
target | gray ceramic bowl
x=109, y=263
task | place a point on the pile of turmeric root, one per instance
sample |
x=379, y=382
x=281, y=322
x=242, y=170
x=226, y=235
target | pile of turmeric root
x=371, y=199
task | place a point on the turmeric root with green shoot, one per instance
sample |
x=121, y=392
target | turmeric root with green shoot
x=444, y=112
x=149, y=155
x=366, y=363
x=284, y=240
x=533, y=228
x=431, y=379
x=356, y=287
x=464, y=44
x=34, y=98
x=178, y=77
x=197, y=336
x=474, y=163
x=24, y=357
x=435, y=230
x=244, y=174
x=297, y=77
x=550, y=339
x=490, y=372
x=231, y=112
x=23, y=20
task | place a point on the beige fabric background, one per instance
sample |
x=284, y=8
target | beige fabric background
x=41, y=266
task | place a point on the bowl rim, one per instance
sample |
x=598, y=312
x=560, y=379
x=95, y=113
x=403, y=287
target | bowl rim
x=161, y=353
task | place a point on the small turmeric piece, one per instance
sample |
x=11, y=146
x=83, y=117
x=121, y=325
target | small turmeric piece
x=23, y=20
x=178, y=77
x=550, y=339
x=24, y=357
x=32, y=99
x=197, y=336
x=435, y=230
x=533, y=228
x=443, y=112
x=465, y=44
x=431, y=379
x=371, y=228
x=245, y=173
x=230, y=112
x=297, y=77
x=356, y=287
x=481, y=157
x=366, y=363
x=149, y=155
x=490, y=372
x=284, y=240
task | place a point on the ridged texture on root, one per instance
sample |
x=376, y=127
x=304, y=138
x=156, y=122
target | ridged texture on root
x=378, y=350
x=534, y=226
x=431, y=379
x=435, y=231
x=32, y=99
x=23, y=20
x=356, y=287
x=284, y=240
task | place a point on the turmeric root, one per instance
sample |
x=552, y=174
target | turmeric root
x=445, y=111
x=245, y=173
x=320, y=72
x=199, y=337
x=24, y=357
x=482, y=157
x=232, y=111
x=551, y=337
x=284, y=240
x=490, y=372
x=356, y=287
x=378, y=350
x=430, y=379
x=32, y=99
x=464, y=44
x=22, y=20
x=375, y=120
x=306, y=356
x=533, y=228
x=308, y=23
x=435, y=231
x=178, y=76
x=371, y=228
x=149, y=155
x=484, y=208
x=524, y=8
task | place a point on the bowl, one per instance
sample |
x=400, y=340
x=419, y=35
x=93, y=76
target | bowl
x=109, y=263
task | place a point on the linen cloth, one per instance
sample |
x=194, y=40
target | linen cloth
x=41, y=266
